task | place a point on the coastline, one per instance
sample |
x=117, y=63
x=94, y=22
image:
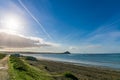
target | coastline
x=60, y=58
x=80, y=71
x=81, y=64
x=56, y=70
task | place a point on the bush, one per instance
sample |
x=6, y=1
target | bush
x=70, y=75
x=30, y=58
x=16, y=55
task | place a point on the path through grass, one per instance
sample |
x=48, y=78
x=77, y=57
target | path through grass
x=4, y=68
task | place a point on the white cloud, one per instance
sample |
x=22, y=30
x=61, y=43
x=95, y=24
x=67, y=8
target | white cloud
x=11, y=40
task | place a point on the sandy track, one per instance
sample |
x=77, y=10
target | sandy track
x=4, y=68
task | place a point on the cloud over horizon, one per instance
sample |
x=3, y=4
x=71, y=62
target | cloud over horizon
x=10, y=40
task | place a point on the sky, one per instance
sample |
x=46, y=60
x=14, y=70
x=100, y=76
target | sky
x=78, y=26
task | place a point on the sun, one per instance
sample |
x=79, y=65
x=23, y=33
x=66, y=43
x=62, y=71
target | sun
x=11, y=22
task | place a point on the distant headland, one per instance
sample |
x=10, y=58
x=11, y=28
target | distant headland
x=66, y=52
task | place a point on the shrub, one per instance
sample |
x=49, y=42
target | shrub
x=16, y=55
x=46, y=68
x=30, y=58
x=70, y=75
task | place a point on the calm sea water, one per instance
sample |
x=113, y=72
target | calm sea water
x=103, y=60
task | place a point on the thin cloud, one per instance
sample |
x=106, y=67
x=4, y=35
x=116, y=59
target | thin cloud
x=105, y=38
x=104, y=29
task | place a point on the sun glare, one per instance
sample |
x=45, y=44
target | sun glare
x=11, y=22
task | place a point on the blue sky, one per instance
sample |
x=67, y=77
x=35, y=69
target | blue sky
x=84, y=26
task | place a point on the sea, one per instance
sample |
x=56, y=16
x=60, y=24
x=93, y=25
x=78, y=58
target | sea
x=111, y=60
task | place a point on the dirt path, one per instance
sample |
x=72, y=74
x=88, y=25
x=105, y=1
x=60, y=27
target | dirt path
x=4, y=68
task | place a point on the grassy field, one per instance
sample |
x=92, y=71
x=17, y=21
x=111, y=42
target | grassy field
x=20, y=70
x=80, y=72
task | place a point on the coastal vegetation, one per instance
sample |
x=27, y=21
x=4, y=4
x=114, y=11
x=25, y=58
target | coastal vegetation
x=30, y=58
x=20, y=70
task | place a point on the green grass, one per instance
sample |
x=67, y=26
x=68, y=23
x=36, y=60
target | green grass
x=20, y=70
x=2, y=55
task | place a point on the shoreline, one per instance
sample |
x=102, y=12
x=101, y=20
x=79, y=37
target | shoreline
x=81, y=64
x=57, y=70
x=82, y=72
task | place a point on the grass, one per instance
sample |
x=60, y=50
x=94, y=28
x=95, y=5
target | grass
x=2, y=55
x=20, y=70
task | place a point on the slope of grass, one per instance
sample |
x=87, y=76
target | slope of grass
x=2, y=55
x=20, y=70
